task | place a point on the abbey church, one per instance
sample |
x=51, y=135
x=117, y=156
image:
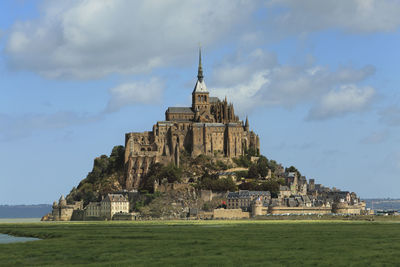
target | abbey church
x=208, y=127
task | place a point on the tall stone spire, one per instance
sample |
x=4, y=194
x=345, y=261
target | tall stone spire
x=200, y=70
x=200, y=86
x=246, y=125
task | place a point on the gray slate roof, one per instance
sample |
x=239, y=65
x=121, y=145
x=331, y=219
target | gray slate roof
x=214, y=99
x=180, y=110
x=115, y=198
x=247, y=194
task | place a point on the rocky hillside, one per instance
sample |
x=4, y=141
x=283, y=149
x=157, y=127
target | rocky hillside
x=200, y=173
x=107, y=176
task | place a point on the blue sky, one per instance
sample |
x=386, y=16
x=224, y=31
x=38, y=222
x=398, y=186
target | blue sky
x=318, y=79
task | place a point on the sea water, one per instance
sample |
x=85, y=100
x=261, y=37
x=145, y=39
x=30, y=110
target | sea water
x=5, y=239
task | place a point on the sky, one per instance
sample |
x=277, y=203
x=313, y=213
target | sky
x=318, y=80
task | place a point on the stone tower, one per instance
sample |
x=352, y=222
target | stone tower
x=256, y=208
x=200, y=94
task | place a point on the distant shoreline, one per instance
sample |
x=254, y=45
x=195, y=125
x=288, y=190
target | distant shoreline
x=19, y=220
x=24, y=211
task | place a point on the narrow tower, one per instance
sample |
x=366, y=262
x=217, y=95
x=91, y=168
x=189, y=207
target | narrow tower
x=200, y=95
x=246, y=125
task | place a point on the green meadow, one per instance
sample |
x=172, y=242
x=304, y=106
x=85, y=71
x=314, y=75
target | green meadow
x=193, y=243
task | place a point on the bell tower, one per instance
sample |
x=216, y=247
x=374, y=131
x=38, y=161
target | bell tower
x=200, y=95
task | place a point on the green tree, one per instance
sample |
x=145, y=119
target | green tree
x=253, y=172
x=262, y=166
x=293, y=169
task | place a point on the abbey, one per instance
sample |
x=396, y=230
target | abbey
x=208, y=127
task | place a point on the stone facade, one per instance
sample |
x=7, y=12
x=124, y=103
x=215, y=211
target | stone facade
x=258, y=203
x=62, y=211
x=106, y=209
x=230, y=214
x=208, y=127
x=244, y=199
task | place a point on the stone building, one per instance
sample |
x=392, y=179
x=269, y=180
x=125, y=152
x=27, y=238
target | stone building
x=208, y=127
x=62, y=211
x=112, y=204
x=243, y=199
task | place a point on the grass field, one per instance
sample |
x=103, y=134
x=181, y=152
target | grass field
x=186, y=243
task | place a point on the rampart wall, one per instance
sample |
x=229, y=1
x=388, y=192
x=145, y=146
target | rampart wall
x=230, y=214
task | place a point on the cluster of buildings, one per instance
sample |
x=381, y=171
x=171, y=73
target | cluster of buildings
x=298, y=197
x=111, y=207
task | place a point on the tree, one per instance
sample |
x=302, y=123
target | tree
x=253, y=172
x=262, y=166
x=272, y=164
x=293, y=169
x=172, y=173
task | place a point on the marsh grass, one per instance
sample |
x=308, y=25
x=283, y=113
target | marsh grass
x=185, y=243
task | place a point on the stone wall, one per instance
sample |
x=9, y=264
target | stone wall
x=299, y=210
x=124, y=217
x=206, y=195
x=230, y=214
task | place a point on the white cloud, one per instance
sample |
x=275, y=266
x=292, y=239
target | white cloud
x=356, y=16
x=349, y=98
x=135, y=93
x=91, y=38
x=259, y=82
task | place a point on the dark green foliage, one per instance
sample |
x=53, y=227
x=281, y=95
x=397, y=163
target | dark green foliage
x=293, y=169
x=211, y=182
x=253, y=172
x=271, y=185
x=240, y=243
x=272, y=164
x=98, y=182
x=145, y=199
x=241, y=174
x=159, y=172
x=220, y=165
x=171, y=173
x=245, y=160
x=242, y=161
x=262, y=166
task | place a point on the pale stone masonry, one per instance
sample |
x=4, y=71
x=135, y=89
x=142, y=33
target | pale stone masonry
x=110, y=205
x=63, y=211
x=208, y=127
